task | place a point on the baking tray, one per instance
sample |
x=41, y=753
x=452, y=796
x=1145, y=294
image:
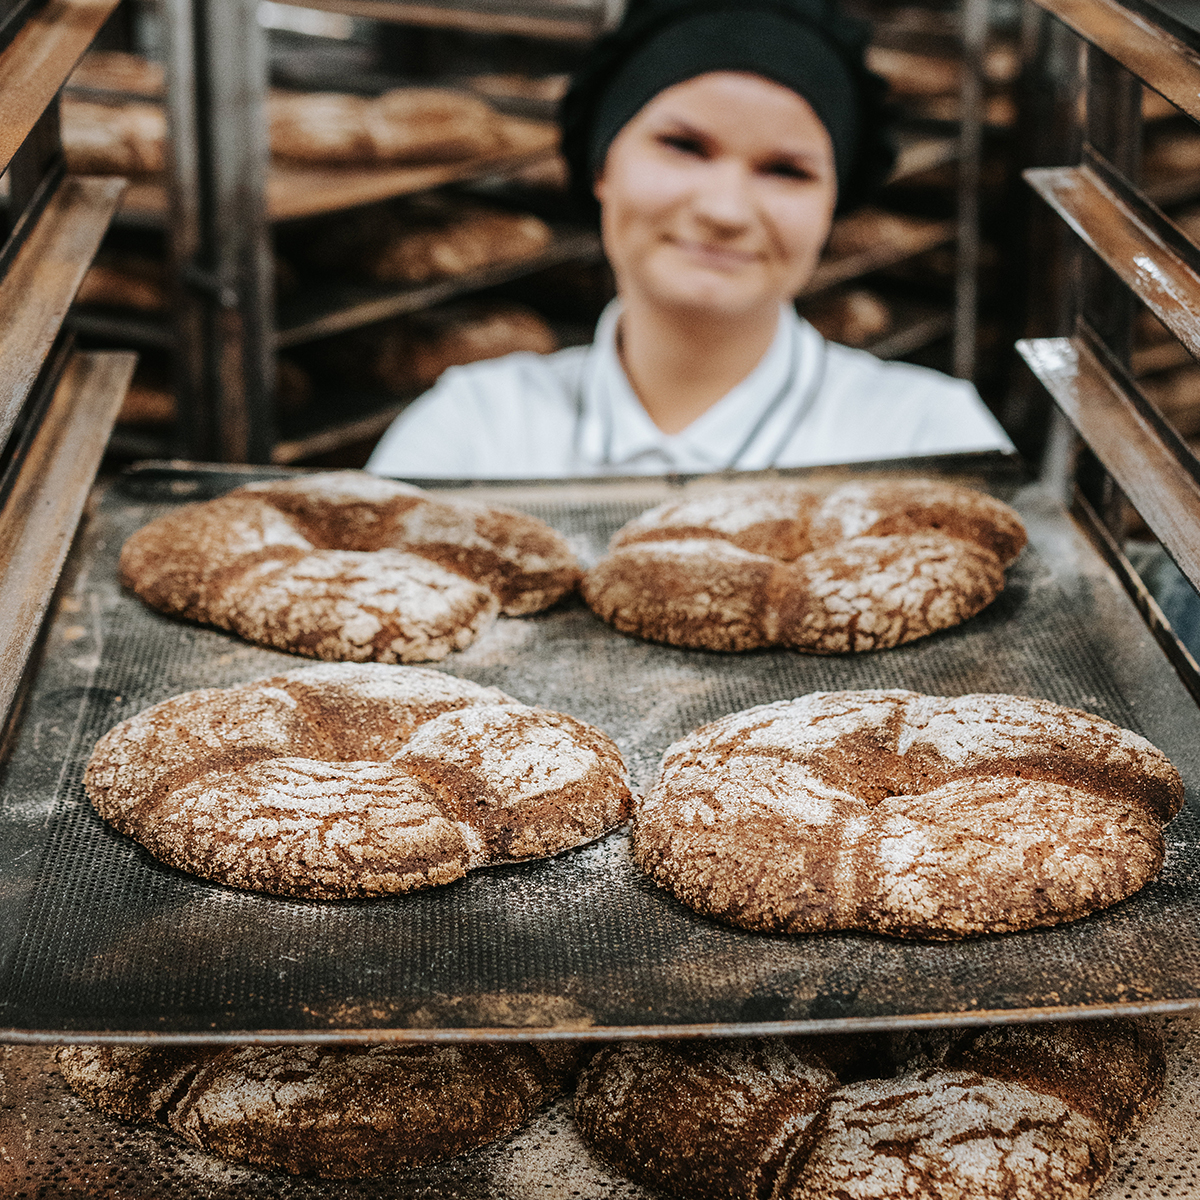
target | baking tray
x=53, y=1147
x=99, y=940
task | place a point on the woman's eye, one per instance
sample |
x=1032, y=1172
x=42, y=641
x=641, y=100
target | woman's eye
x=682, y=143
x=787, y=170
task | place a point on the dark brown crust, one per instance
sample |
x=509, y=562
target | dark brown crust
x=715, y=1119
x=1113, y=1071
x=337, y=1113
x=954, y=1114
x=907, y=815
x=347, y=567
x=344, y=781
x=864, y=566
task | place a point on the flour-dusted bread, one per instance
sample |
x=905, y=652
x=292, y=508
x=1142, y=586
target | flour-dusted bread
x=910, y=815
x=347, y=566
x=467, y=333
x=419, y=239
x=993, y=1114
x=319, y=1110
x=408, y=354
x=403, y=125
x=863, y=566
x=114, y=139
x=118, y=71
x=469, y=238
x=854, y=317
x=346, y=780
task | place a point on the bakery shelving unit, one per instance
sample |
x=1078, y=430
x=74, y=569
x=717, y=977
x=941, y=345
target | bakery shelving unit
x=1123, y=452
x=56, y=404
x=223, y=199
x=946, y=141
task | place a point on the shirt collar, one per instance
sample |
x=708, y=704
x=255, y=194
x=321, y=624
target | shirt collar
x=616, y=433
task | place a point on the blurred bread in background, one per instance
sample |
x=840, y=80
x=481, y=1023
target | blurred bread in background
x=855, y=317
x=403, y=125
x=409, y=353
x=423, y=240
x=113, y=139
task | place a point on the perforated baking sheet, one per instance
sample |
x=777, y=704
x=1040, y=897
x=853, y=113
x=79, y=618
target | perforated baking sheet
x=98, y=939
x=53, y=1147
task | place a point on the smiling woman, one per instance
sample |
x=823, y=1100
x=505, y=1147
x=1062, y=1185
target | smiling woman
x=716, y=200
x=717, y=137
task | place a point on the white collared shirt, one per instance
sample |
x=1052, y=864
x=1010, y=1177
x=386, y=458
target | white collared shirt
x=574, y=413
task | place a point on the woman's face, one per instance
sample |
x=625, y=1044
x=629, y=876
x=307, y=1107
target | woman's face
x=718, y=196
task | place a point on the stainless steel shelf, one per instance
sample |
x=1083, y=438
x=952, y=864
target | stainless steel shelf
x=35, y=65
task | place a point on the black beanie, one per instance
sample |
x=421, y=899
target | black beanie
x=806, y=45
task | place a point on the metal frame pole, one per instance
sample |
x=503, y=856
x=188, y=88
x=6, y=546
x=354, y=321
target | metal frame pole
x=220, y=236
x=975, y=19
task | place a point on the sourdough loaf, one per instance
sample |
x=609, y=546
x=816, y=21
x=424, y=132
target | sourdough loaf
x=347, y=566
x=1007, y=1113
x=910, y=815
x=347, y=780
x=862, y=566
x=320, y=1110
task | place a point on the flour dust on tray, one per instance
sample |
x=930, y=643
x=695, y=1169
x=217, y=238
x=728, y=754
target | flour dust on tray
x=863, y=566
x=909, y=815
x=347, y=566
x=347, y=780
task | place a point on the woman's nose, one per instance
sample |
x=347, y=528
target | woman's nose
x=723, y=195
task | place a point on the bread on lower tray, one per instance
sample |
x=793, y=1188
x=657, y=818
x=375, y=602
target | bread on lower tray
x=113, y=139
x=909, y=815
x=150, y=401
x=406, y=126
x=870, y=228
x=854, y=317
x=335, y=1112
x=119, y=71
x=1016, y=1112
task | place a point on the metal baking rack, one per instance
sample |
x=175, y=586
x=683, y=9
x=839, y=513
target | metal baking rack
x=223, y=198
x=97, y=940
x=1122, y=452
x=55, y=1148
x=56, y=405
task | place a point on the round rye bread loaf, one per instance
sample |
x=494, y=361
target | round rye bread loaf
x=1005, y=1113
x=318, y=1110
x=347, y=780
x=347, y=566
x=910, y=815
x=863, y=566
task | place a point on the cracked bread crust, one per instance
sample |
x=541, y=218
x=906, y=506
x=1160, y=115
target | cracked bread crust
x=991, y=1113
x=345, y=780
x=348, y=567
x=315, y=1110
x=909, y=815
x=864, y=566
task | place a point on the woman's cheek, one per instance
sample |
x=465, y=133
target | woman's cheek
x=661, y=188
x=801, y=230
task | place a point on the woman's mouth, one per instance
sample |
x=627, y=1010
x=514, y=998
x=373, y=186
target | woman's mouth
x=720, y=258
